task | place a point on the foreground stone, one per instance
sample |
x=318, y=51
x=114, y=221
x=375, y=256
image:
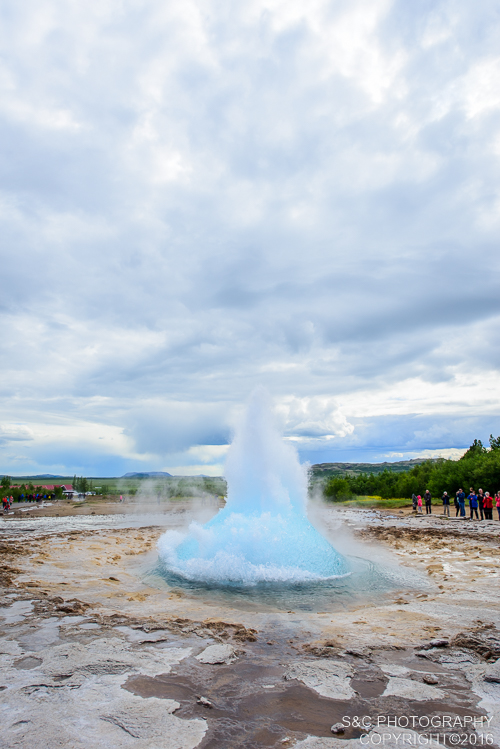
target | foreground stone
x=327, y=678
x=217, y=654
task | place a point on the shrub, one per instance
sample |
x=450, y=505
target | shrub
x=338, y=490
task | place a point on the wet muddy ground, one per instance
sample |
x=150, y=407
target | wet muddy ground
x=96, y=651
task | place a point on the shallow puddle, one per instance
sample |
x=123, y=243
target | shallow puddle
x=267, y=715
x=254, y=706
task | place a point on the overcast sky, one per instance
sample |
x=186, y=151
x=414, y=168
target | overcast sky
x=197, y=197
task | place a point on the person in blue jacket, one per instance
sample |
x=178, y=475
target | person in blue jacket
x=461, y=502
x=473, y=503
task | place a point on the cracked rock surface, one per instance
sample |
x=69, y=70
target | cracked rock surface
x=71, y=695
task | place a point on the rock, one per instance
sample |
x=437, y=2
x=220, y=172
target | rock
x=492, y=678
x=337, y=728
x=434, y=644
x=203, y=701
x=453, y=657
x=328, y=678
x=485, y=642
x=430, y=679
x=221, y=653
x=439, y=643
x=456, y=658
x=492, y=673
x=412, y=690
x=358, y=653
x=72, y=607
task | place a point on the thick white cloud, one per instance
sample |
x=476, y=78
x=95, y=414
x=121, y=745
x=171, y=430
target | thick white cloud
x=196, y=198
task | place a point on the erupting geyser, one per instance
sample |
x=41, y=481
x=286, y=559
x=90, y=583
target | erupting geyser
x=262, y=534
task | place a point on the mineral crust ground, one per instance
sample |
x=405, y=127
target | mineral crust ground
x=95, y=652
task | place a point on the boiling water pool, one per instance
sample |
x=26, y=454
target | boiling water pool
x=368, y=582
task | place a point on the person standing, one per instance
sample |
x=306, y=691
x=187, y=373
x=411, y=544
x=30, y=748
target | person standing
x=428, y=502
x=457, y=506
x=497, y=496
x=488, y=506
x=446, y=504
x=419, y=504
x=461, y=502
x=473, y=505
x=480, y=503
x=414, y=502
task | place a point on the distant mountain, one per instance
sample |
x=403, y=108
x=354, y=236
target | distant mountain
x=40, y=476
x=325, y=470
x=149, y=475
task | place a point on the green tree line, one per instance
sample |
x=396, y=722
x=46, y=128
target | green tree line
x=82, y=485
x=478, y=467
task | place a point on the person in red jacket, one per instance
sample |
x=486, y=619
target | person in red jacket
x=488, y=506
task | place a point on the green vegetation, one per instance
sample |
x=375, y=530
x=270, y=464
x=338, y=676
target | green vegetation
x=338, y=490
x=369, y=503
x=478, y=467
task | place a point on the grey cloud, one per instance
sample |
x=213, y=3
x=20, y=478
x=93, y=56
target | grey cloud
x=14, y=433
x=195, y=199
x=376, y=438
x=169, y=428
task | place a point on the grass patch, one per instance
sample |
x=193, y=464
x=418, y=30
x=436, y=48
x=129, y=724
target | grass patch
x=374, y=503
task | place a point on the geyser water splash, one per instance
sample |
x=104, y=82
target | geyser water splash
x=262, y=534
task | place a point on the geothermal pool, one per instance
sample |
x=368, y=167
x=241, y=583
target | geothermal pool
x=367, y=582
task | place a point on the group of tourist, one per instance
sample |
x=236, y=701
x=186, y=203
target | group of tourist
x=35, y=497
x=480, y=504
x=7, y=501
